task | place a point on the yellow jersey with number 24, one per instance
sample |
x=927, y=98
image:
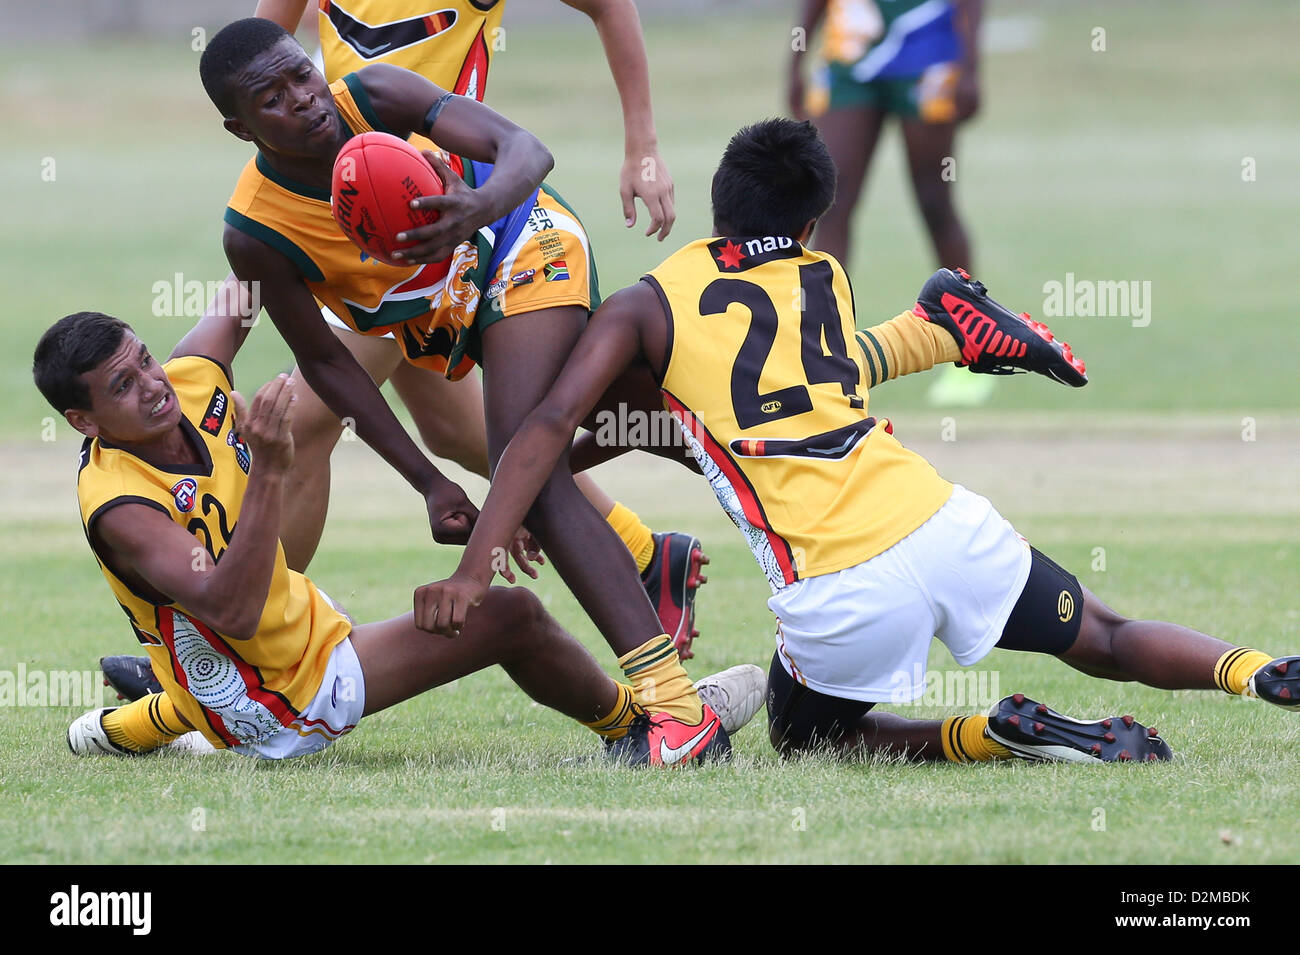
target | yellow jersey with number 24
x=774, y=405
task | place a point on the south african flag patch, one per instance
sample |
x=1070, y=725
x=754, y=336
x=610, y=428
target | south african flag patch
x=556, y=271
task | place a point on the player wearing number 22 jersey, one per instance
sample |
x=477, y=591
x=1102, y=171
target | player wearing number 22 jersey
x=233, y=691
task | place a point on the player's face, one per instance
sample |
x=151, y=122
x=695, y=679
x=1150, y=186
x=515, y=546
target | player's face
x=131, y=400
x=284, y=103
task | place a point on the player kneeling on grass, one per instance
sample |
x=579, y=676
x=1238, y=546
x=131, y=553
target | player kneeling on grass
x=869, y=552
x=181, y=489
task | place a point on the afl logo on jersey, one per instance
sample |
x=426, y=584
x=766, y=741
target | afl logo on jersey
x=771, y=407
x=241, y=450
x=184, y=492
x=1065, y=606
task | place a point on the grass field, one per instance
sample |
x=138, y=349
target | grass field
x=1170, y=484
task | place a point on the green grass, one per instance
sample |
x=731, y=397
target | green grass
x=429, y=780
x=1116, y=165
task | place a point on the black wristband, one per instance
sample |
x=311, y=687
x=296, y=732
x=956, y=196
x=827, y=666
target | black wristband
x=435, y=111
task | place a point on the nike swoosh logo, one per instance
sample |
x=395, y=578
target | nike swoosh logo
x=671, y=754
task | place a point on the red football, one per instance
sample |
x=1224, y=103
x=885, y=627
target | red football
x=375, y=178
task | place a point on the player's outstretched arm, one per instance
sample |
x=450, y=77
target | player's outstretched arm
x=405, y=101
x=224, y=326
x=343, y=384
x=612, y=341
x=227, y=595
x=644, y=175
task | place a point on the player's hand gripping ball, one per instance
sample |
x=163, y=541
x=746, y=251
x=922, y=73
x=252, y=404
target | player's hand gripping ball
x=375, y=178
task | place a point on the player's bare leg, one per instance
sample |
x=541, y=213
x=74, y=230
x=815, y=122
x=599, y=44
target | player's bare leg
x=316, y=431
x=851, y=134
x=522, y=355
x=929, y=153
x=448, y=414
x=510, y=629
x=1163, y=655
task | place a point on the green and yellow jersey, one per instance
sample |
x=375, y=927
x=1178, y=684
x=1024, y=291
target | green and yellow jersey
x=233, y=691
x=536, y=256
x=772, y=398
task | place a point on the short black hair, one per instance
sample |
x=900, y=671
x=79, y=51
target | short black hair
x=233, y=48
x=70, y=347
x=774, y=177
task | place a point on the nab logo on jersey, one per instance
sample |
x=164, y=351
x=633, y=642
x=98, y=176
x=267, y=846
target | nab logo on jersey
x=184, y=491
x=216, y=413
x=739, y=254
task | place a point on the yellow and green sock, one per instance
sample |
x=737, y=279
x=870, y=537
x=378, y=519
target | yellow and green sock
x=660, y=684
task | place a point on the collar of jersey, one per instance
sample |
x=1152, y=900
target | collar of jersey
x=298, y=188
x=195, y=439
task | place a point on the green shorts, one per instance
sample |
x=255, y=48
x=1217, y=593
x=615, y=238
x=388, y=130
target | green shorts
x=929, y=97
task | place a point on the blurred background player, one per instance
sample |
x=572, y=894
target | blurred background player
x=917, y=60
x=453, y=48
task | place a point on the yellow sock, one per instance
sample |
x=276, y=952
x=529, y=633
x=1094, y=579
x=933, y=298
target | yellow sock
x=660, y=685
x=1236, y=667
x=964, y=740
x=614, y=724
x=635, y=535
x=144, y=724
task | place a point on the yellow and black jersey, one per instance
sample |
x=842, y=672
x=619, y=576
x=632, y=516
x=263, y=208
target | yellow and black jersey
x=773, y=402
x=449, y=43
x=234, y=691
x=426, y=307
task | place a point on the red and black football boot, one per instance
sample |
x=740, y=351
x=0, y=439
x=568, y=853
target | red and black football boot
x=1277, y=682
x=129, y=677
x=1034, y=731
x=671, y=579
x=993, y=339
x=657, y=739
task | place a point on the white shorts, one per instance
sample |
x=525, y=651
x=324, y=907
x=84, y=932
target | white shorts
x=863, y=633
x=332, y=319
x=334, y=712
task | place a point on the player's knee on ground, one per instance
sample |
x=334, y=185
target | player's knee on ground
x=801, y=719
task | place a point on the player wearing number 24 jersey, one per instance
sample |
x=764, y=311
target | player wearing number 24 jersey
x=802, y=468
x=870, y=554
